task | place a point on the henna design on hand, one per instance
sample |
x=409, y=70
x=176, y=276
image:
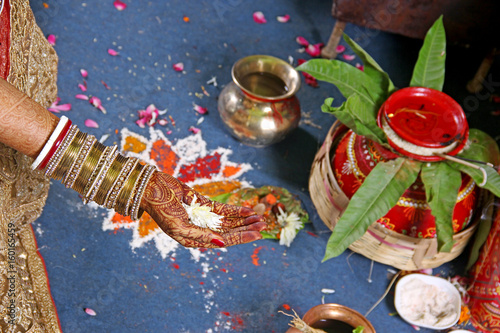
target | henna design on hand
x=163, y=198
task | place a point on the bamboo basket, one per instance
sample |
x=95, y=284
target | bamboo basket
x=378, y=243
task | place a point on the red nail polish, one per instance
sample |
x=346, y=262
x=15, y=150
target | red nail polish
x=218, y=242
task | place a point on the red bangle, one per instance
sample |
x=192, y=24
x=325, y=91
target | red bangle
x=57, y=143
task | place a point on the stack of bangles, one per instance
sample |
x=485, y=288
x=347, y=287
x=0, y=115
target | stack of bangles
x=99, y=173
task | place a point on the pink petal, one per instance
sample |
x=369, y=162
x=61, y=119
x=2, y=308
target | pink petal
x=200, y=109
x=283, y=19
x=349, y=57
x=258, y=17
x=84, y=73
x=340, y=48
x=195, y=130
x=169, y=132
x=360, y=67
x=314, y=50
x=82, y=87
x=302, y=41
x=162, y=122
x=91, y=123
x=120, y=5
x=81, y=96
x=51, y=39
x=179, y=67
x=64, y=107
x=112, y=52
x=90, y=312
x=95, y=101
x=141, y=122
x=105, y=85
x=102, y=109
x=53, y=110
x=152, y=108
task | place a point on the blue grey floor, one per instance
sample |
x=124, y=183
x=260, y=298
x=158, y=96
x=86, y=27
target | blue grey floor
x=140, y=291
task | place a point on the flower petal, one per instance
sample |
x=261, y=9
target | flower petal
x=340, y=48
x=91, y=123
x=309, y=79
x=179, y=67
x=348, y=57
x=195, y=130
x=162, y=122
x=302, y=41
x=120, y=5
x=259, y=18
x=51, y=39
x=200, y=109
x=314, y=50
x=82, y=96
x=90, y=312
x=84, y=73
x=360, y=67
x=95, y=101
x=283, y=19
x=82, y=87
x=112, y=52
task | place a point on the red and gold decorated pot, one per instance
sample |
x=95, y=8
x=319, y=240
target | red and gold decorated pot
x=417, y=121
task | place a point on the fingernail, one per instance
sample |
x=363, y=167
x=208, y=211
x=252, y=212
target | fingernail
x=218, y=242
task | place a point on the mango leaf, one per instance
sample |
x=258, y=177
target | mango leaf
x=481, y=147
x=429, y=69
x=481, y=234
x=347, y=78
x=380, y=191
x=372, y=68
x=442, y=183
x=358, y=116
x=493, y=178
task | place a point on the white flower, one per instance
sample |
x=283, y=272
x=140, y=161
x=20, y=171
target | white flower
x=202, y=216
x=289, y=226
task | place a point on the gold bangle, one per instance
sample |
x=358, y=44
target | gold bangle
x=56, y=158
x=73, y=172
x=136, y=202
x=88, y=167
x=124, y=197
x=99, y=173
x=121, y=180
x=69, y=156
x=110, y=178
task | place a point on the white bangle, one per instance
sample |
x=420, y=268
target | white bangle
x=48, y=145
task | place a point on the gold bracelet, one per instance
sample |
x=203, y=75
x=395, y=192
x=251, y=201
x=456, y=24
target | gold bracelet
x=111, y=199
x=88, y=167
x=99, y=173
x=110, y=178
x=134, y=210
x=56, y=158
x=69, y=156
x=73, y=172
x=125, y=195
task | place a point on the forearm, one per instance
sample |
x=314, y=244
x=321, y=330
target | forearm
x=24, y=124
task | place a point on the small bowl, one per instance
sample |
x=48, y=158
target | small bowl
x=442, y=286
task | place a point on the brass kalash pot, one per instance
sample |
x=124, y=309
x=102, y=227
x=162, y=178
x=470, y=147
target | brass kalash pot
x=259, y=106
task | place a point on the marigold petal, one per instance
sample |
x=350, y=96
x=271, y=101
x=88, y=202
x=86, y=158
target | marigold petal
x=283, y=19
x=91, y=123
x=51, y=39
x=259, y=17
x=179, y=67
x=120, y=5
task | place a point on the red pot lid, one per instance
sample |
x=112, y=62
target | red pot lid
x=421, y=121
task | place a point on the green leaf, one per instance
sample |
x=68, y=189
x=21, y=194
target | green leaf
x=481, y=147
x=358, y=116
x=429, y=69
x=372, y=68
x=359, y=329
x=442, y=183
x=493, y=178
x=347, y=78
x=380, y=191
x=481, y=234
